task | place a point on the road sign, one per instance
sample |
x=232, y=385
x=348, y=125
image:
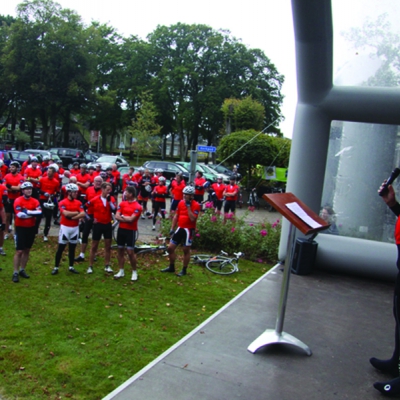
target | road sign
x=207, y=149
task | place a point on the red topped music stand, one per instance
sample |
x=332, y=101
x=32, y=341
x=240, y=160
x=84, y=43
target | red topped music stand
x=280, y=201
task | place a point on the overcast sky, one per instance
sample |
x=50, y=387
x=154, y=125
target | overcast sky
x=263, y=24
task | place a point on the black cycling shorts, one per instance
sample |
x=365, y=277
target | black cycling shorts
x=100, y=230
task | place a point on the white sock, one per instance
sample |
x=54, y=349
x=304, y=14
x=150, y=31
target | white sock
x=82, y=255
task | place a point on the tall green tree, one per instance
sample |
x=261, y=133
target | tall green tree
x=194, y=68
x=49, y=62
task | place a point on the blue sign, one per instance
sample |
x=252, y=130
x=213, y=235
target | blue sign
x=207, y=149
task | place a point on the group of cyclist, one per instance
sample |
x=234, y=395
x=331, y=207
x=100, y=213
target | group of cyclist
x=88, y=204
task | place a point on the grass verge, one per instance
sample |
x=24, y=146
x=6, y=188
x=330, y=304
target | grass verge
x=81, y=336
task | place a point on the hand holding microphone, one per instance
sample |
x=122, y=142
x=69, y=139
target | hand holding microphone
x=384, y=188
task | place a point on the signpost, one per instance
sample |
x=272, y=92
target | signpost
x=207, y=149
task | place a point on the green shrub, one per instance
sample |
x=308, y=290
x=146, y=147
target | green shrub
x=258, y=241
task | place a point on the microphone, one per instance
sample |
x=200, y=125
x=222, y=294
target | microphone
x=395, y=173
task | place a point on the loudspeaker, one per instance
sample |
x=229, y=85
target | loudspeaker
x=304, y=255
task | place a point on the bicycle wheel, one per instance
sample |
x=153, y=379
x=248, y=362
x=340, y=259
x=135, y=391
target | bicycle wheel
x=221, y=266
x=200, y=258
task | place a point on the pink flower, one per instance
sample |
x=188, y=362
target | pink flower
x=197, y=234
x=274, y=225
x=251, y=224
x=209, y=204
x=277, y=221
x=259, y=260
x=229, y=216
x=233, y=230
x=263, y=232
x=251, y=208
x=213, y=218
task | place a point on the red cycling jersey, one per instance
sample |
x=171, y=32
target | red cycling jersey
x=69, y=205
x=3, y=192
x=34, y=173
x=232, y=189
x=13, y=180
x=219, y=189
x=48, y=185
x=101, y=209
x=183, y=214
x=177, y=189
x=128, y=208
x=83, y=178
x=160, y=189
x=91, y=193
x=198, y=185
x=20, y=204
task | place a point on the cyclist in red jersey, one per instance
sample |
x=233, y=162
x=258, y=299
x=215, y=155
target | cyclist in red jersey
x=160, y=193
x=48, y=189
x=230, y=193
x=218, y=188
x=103, y=207
x=117, y=176
x=33, y=174
x=91, y=170
x=75, y=170
x=97, y=170
x=3, y=200
x=128, y=214
x=71, y=212
x=13, y=181
x=199, y=182
x=129, y=179
x=26, y=208
x=83, y=181
x=3, y=169
x=176, y=191
x=91, y=193
x=182, y=229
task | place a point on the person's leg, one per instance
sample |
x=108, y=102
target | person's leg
x=186, y=260
x=48, y=213
x=107, y=251
x=71, y=253
x=59, y=252
x=172, y=258
x=17, y=260
x=24, y=258
x=393, y=364
x=93, y=250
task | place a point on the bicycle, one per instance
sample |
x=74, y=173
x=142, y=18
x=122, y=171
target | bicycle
x=220, y=264
x=152, y=248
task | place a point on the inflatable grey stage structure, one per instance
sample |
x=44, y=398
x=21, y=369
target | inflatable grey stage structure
x=345, y=143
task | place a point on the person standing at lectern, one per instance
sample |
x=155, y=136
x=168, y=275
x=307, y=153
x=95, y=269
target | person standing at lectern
x=391, y=366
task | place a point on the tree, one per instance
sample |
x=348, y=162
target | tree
x=243, y=114
x=377, y=37
x=145, y=129
x=49, y=63
x=194, y=68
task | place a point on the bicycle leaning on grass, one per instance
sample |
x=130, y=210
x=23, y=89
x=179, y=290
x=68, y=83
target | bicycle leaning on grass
x=221, y=264
x=152, y=248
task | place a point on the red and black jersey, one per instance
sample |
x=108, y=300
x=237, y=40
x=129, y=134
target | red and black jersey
x=3, y=192
x=91, y=193
x=128, y=208
x=3, y=170
x=33, y=173
x=183, y=214
x=198, y=185
x=232, y=189
x=160, y=190
x=75, y=171
x=101, y=209
x=177, y=189
x=69, y=205
x=219, y=189
x=83, y=178
x=13, y=180
x=21, y=204
x=48, y=185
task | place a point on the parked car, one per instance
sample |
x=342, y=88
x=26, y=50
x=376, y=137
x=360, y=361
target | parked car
x=42, y=153
x=34, y=145
x=69, y=156
x=107, y=161
x=6, y=157
x=221, y=169
x=20, y=156
x=210, y=176
x=170, y=169
x=225, y=177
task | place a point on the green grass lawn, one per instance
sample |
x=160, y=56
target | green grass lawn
x=81, y=336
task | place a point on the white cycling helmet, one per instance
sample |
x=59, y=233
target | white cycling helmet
x=188, y=190
x=141, y=169
x=162, y=179
x=71, y=187
x=54, y=166
x=49, y=204
x=26, y=185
